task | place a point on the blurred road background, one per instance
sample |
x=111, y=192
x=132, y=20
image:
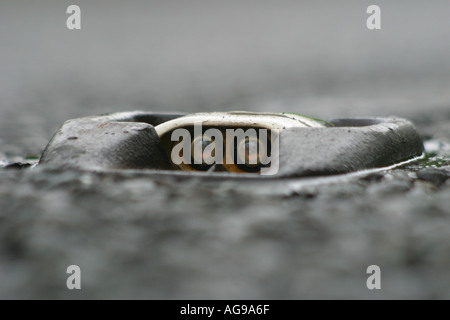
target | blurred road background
x=315, y=57
x=143, y=238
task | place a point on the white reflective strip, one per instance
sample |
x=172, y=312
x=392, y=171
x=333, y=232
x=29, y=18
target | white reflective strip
x=277, y=121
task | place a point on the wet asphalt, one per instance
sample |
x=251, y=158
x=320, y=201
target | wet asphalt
x=135, y=235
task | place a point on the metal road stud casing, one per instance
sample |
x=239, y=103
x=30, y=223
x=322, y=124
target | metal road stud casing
x=232, y=144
